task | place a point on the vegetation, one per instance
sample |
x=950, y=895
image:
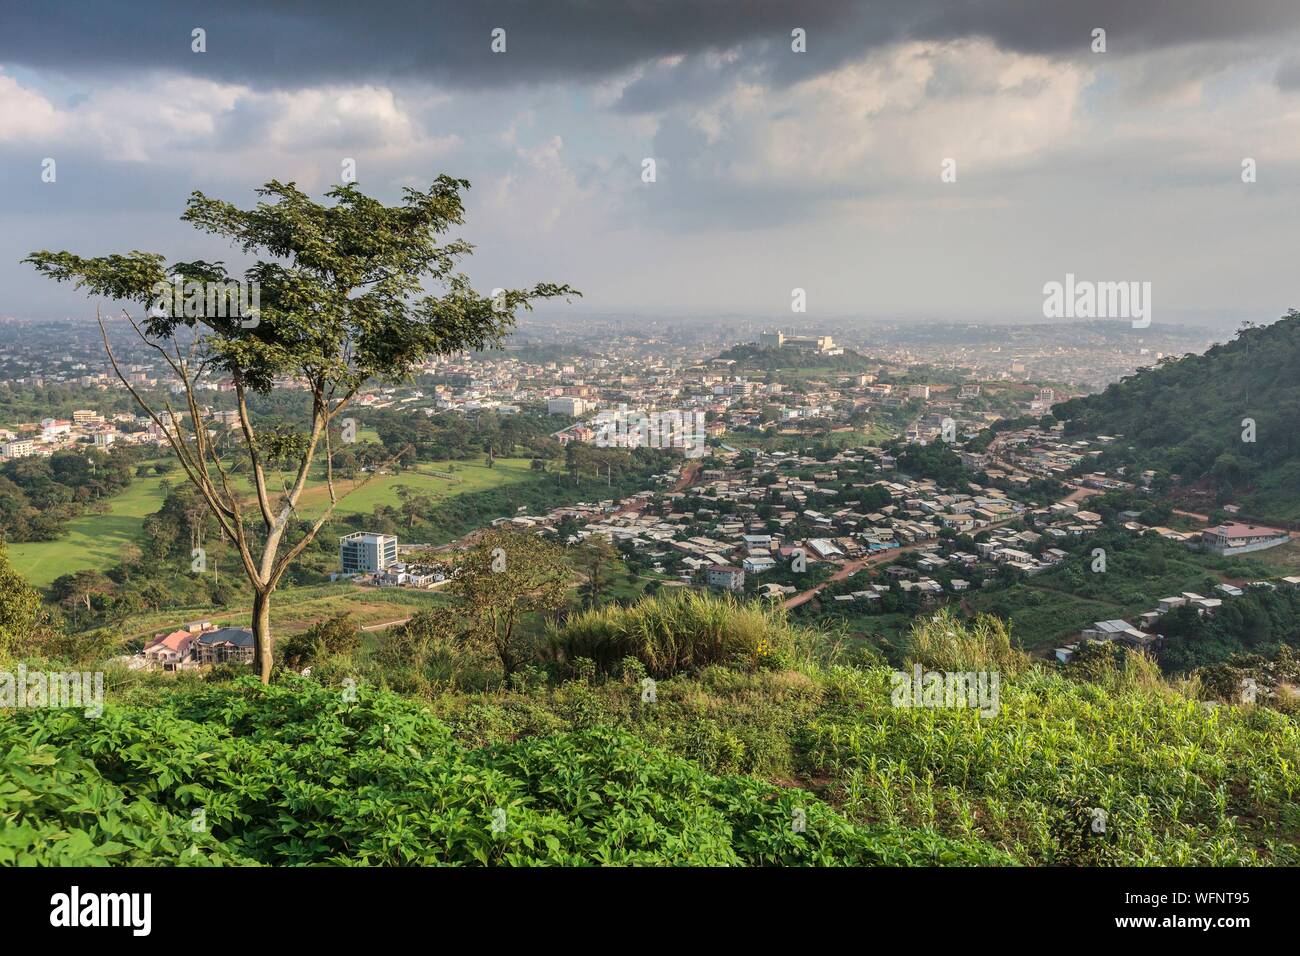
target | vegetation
x=1187, y=417
x=39, y=496
x=341, y=303
x=735, y=759
x=297, y=774
x=674, y=632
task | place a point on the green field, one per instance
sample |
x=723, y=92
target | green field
x=93, y=540
x=474, y=476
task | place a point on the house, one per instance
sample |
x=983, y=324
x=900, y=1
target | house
x=1117, y=630
x=824, y=548
x=757, y=564
x=170, y=650
x=1235, y=538
x=1165, y=605
x=224, y=644
x=726, y=577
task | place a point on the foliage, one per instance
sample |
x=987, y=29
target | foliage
x=1185, y=416
x=342, y=300
x=324, y=639
x=943, y=642
x=297, y=774
x=505, y=576
x=675, y=631
x=20, y=606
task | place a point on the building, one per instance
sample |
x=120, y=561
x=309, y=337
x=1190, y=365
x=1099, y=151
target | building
x=726, y=577
x=223, y=645
x=566, y=405
x=21, y=448
x=364, y=552
x=802, y=343
x=171, y=649
x=1234, y=538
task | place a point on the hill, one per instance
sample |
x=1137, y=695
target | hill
x=1190, y=418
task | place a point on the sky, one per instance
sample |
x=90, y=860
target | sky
x=821, y=169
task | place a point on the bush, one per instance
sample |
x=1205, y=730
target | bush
x=674, y=632
x=944, y=643
x=329, y=638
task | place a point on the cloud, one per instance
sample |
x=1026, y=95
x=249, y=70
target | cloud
x=265, y=43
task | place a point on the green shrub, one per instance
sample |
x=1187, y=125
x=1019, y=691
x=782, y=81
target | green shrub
x=296, y=774
x=943, y=642
x=674, y=632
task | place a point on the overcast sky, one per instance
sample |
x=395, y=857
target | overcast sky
x=775, y=169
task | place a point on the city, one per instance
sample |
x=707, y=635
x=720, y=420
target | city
x=851, y=436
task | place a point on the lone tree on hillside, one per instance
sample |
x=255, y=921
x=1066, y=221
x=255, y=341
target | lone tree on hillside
x=342, y=298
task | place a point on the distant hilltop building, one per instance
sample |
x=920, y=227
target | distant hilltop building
x=822, y=344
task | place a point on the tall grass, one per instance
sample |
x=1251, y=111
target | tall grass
x=943, y=642
x=678, y=631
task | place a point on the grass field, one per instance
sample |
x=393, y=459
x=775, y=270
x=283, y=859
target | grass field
x=296, y=609
x=473, y=475
x=93, y=540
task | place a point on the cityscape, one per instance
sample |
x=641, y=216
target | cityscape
x=695, y=484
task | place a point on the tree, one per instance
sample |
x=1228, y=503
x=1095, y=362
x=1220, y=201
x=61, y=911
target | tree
x=324, y=639
x=81, y=588
x=506, y=575
x=595, y=557
x=341, y=301
x=19, y=604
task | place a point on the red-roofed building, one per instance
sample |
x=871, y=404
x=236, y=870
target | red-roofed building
x=170, y=649
x=1235, y=538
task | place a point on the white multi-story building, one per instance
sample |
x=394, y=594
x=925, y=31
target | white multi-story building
x=365, y=552
x=566, y=405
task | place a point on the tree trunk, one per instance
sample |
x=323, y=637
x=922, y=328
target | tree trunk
x=262, y=646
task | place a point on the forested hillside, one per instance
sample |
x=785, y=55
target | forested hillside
x=1188, y=417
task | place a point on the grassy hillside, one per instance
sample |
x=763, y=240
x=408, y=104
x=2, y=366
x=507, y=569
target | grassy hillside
x=1185, y=417
x=756, y=747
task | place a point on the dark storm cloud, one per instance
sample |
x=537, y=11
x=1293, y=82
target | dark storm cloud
x=281, y=44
